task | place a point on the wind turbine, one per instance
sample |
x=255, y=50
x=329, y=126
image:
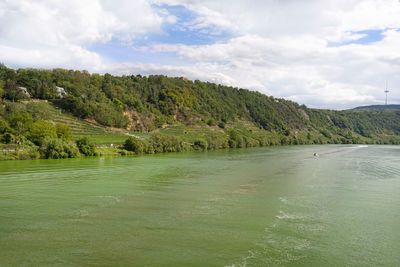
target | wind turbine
x=386, y=92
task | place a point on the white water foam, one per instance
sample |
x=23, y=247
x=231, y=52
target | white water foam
x=284, y=216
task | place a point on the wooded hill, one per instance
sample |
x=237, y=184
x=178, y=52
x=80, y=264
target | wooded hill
x=378, y=108
x=228, y=117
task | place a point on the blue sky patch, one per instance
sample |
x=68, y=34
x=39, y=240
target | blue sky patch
x=184, y=31
x=371, y=36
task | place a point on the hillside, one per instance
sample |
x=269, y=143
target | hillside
x=172, y=114
x=377, y=108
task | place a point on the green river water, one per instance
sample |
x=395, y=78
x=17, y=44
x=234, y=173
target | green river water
x=275, y=206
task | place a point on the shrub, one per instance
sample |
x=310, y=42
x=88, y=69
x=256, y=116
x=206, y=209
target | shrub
x=40, y=130
x=211, y=122
x=86, y=146
x=325, y=133
x=8, y=138
x=200, y=144
x=4, y=127
x=285, y=140
x=52, y=148
x=136, y=145
x=63, y=131
x=217, y=142
x=167, y=143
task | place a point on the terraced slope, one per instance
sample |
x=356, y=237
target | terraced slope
x=84, y=128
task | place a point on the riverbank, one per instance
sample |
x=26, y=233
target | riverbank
x=161, y=143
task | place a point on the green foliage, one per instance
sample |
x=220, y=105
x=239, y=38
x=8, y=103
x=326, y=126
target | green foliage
x=8, y=138
x=325, y=133
x=157, y=103
x=13, y=92
x=211, y=122
x=40, y=130
x=4, y=126
x=165, y=143
x=86, y=147
x=57, y=149
x=200, y=144
x=217, y=143
x=137, y=145
x=38, y=110
x=63, y=131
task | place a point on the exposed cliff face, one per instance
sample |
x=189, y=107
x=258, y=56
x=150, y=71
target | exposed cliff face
x=303, y=113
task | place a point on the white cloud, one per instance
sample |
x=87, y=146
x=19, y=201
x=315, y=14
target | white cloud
x=327, y=19
x=50, y=33
x=203, y=71
x=279, y=47
x=303, y=68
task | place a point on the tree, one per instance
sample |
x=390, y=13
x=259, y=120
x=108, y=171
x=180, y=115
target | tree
x=200, y=144
x=4, y=126
x=2, y=92
x=11, y=91
x=57, y=149
x=63, y=131
x=40, y=130
x=136, y=145
x=86, y=146
x=20, y=121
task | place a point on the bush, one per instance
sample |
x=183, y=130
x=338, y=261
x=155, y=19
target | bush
x=166, y=143
x=221, y=125
x=200, y=144
x=136, y=145
x=217, y=142
x=63, y=131
x=86, y=147
x=325, y=133
x=211, y=122
x=8, y=138
x=40, y=130
x=285, y=140
x=57, y=149
x=4, y=127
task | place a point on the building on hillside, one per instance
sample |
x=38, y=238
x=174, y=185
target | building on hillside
x=24, y=91
x=61, y=91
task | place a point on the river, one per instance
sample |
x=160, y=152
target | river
x=276, y=206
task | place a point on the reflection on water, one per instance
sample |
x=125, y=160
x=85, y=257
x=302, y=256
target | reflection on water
x=246, y=207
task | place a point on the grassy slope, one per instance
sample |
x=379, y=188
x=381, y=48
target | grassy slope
x=102, y=135
x=99, y=134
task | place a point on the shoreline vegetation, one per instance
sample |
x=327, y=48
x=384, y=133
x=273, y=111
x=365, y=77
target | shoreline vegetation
x=66, y=113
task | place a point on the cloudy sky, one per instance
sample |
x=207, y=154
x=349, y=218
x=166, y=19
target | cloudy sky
x=323, y=53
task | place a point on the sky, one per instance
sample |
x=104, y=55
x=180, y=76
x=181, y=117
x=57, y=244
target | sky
x=334, y=54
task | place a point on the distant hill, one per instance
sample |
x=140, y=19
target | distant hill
x=377, y=108
x=172, y=114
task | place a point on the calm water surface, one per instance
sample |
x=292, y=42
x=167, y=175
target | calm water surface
x=248, y=207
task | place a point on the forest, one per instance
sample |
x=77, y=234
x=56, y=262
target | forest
x=172, y=114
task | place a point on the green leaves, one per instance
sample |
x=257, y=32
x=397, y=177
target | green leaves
x=86, y=147
x=57, y=149
x=40, y=130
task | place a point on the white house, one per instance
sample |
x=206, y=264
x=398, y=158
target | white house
x=61, y=91
x=24, y=91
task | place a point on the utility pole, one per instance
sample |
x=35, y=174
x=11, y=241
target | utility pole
x=386, y=92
